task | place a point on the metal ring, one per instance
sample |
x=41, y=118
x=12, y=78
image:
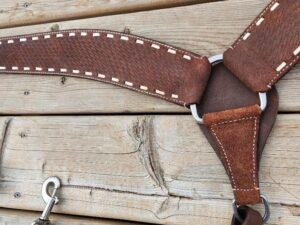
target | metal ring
x=216, y=59
x=46, y=196
x=266, y=216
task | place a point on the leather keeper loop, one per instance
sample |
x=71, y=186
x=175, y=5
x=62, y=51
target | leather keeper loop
x=268, y=48
x=129, y=61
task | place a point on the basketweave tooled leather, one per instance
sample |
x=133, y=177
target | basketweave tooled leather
x=129, y=61
x=249, y=216
x=225, y=94
x=268, y=48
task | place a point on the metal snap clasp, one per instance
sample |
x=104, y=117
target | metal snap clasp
x=214, y=60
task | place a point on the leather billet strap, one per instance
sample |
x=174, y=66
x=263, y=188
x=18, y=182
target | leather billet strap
x=236, y=132
x=133, y=62
x=268, y=48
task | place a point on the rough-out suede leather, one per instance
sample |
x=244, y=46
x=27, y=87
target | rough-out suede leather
x=129, y=61
x=268, y=48
x=249, y=216
x=236, y=132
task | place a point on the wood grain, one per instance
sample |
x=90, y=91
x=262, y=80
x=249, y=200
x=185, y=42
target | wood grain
x=19, y=217
x=152, y=168
x=16, y=13
x=206, y=29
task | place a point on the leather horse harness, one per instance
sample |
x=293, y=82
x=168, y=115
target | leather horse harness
x=231, y=95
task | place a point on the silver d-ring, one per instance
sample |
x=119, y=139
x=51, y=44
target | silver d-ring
x=45, y=193
x=266, y=216
x=216, y=59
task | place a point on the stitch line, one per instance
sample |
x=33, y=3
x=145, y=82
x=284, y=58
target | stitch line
x=253, y=152
x=249, y=29
x=72, y=32
x=76, y=73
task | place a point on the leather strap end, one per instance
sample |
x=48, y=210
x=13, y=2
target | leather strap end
x=236, y=132
x=125, y=60
x=249, y=216
x=268, y=48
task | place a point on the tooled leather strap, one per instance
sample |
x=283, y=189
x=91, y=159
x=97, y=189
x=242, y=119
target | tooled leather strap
x=268, y=48
x=125, y=60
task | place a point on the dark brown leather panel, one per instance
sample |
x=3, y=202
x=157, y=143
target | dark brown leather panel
x=268, y=48
x=249, y=216
x=224, y=91
x=126, y=60
x=236, y=132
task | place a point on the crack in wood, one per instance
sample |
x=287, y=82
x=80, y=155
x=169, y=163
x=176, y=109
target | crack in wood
x=3, y=141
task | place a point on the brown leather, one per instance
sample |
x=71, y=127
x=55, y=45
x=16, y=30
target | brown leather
x=249, y=216
x=125, y=60
x=236, y=133
x=268, y=48
x=226, y=92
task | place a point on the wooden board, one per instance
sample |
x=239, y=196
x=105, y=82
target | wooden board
x=15, y=13
x=204, y=28
x=18, y=217
x=152, y=168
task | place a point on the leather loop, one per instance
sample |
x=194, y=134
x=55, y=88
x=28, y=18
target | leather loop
x=249, y=216
x=268, y=48
x=125, y=60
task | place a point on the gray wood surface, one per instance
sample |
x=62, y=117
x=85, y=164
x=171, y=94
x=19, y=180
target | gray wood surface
x=157, y=169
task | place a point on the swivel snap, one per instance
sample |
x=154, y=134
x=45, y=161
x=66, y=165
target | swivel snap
x=49, y=199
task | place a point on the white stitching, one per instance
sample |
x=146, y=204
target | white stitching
x=253, y=23
x=139, y=42
x=124, y=38
x=110, y=34
x=26, y=68
x=281, y=66
x=63, y=70
x=155, y=46
x=296, y=51
x=88, y=73
x=172, y=51
x=253, y=152
x=101, y=75
x=15, y=68
x=115, y=79
x=10, y=41
x=38, y=69
x=23, y=39
x=35, y=38
x=276, y=4
x=259, y=22
x=128, y=83
x=159, y=92
x=2, y=68
x=83, y=33
x=96, y=34
x=245, y=37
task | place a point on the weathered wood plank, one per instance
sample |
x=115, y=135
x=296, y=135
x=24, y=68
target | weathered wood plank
x=157, y=169
x=15, y=13
x=204, y=28
x=20, y=217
